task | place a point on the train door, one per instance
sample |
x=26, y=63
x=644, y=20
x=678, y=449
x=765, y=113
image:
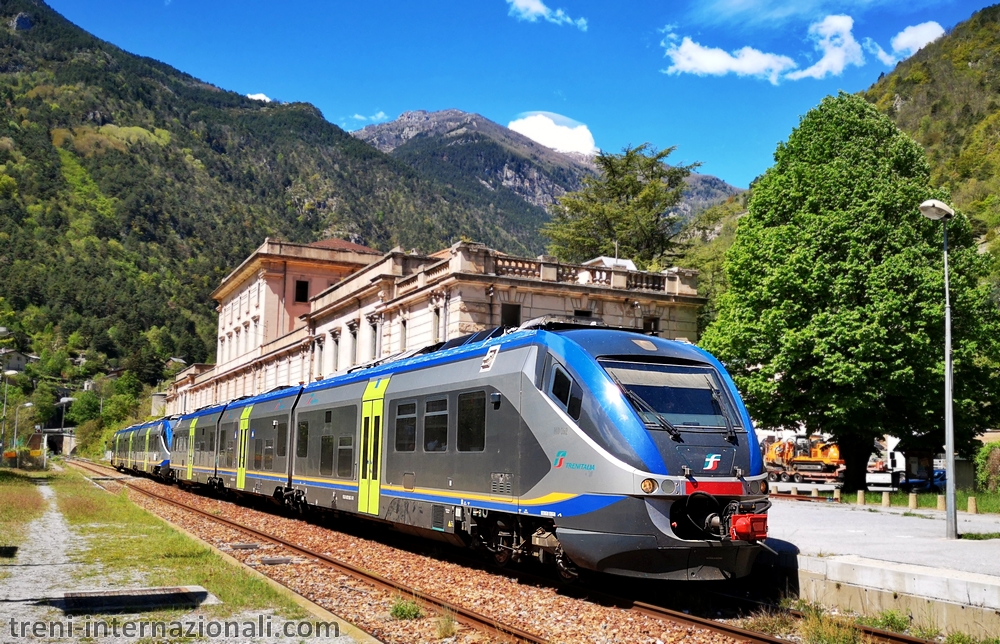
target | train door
x=145, y=453
x=243, y=447
x=190, y=449
x=129, y=459
x=370, y=454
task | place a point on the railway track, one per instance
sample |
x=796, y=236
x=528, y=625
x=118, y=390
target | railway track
x=468, y=617
x=483, y=623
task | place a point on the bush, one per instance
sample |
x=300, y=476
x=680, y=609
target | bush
x=405, y=609
x=988, y=467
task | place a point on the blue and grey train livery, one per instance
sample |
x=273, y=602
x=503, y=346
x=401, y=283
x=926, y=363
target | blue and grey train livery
x=589, y=447
x=144, y=448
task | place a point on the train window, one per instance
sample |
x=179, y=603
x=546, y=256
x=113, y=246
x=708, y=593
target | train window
x=436, y=425
x=472, y=422
x=282, y=447
x=229, y=454
x=345, y=457
x=326, y=455
x=268, y=454
x=328, y=417
x=406, y=427
x=575, y=401
x=258, y=453
x=302, y=441
x=211, y=441
x=561, y=385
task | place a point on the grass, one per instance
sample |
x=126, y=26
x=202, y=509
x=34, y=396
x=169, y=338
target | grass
x=817, y=627
x=446, y=625
x=987, y=502
x=887, y=620
x=122, y=538
x=771, y=622
x=405, y=609
x=22, y=503
x=979, y=536
x=961, y=638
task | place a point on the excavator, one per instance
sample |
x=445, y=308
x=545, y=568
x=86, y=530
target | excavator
x=810, y=459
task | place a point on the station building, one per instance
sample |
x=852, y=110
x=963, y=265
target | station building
x=294, y=313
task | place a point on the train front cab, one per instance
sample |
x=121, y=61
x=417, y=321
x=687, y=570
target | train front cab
x=653, y=504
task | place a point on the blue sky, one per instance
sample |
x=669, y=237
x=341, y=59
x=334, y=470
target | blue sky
x=723, y=80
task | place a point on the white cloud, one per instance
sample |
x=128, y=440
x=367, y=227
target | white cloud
x=532, y=10
x=555, y=131
x=691, y=58
x=833, y=37
x=259, y=97
x=907, y=42
x=873, y=47
x=772, y=13
x=374, y=118
x=912, y=39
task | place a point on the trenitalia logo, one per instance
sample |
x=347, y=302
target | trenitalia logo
x=560, y=462
x=712, y=461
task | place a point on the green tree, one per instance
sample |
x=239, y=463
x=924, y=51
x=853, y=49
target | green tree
x=833, y=318
x=87, y=407
x=629, y=202
x=128, y=385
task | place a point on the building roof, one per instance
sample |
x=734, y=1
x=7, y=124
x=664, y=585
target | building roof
x=611, y=262
x=334, y=243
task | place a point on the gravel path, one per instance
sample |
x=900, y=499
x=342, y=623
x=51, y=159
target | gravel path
x=46, y=566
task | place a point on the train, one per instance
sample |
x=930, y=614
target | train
x=582, y=446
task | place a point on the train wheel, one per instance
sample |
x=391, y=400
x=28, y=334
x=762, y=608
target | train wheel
x=501, y=542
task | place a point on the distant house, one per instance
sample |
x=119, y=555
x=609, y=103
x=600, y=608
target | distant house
x=14, y=360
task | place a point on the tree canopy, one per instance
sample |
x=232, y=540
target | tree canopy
x=629, y=202
x=833, y=317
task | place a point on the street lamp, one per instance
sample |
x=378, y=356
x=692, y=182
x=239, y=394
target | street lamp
x=65, y=400
x=17, y=454
x=6, y=385
x=938, y=211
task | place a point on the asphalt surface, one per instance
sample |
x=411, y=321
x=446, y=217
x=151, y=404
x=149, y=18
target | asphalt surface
x=893, y=534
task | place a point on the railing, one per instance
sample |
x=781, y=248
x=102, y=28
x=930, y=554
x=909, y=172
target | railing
x=645, y=282
x=518, y=267
x=438, y=269
x=407, y=284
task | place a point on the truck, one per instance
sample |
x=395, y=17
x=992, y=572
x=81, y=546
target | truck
x=813, y=459
x=890, y=469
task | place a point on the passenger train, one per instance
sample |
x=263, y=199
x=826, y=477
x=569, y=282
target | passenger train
x=585, y=446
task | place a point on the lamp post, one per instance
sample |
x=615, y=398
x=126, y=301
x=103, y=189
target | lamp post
x=17, y=454
x=938, y=211
x=65, y=400
x=6, y=385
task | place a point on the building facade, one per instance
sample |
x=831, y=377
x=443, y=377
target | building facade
x=368, y=306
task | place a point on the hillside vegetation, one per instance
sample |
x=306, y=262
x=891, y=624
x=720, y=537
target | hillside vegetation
x=128, y=189
x=947, y=97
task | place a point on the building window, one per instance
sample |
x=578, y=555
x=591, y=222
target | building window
x=319, y=359
x=583, y=313
x=336, y=352
x=436, y=425
x=651, y=325
x=436, y=330
x=472, y=422
x=402, y=335
x=510, y=315
x=301, y=290
x=374, y=343
x=354, y=346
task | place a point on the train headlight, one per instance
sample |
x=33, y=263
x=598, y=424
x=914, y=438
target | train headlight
x=648, y=486
x=668, y=486
x=754, y=487
x=763, y=487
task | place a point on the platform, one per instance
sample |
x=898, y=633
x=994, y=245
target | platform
x=870, y=558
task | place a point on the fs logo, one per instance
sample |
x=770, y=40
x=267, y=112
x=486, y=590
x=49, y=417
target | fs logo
x=560, y=457
x=712, y=461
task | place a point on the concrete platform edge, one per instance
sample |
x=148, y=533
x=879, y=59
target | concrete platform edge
x=947, y=600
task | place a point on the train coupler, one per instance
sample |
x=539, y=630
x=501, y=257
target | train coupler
x=748, y=527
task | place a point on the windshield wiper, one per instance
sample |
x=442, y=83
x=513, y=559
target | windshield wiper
x=717, y=397
x=637, y=401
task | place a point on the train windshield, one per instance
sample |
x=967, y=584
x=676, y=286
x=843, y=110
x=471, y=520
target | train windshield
x=687, y=397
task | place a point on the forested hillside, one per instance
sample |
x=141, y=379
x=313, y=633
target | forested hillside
x=128, y=189
x=947, y=97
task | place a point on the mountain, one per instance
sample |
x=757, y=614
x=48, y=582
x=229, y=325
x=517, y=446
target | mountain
x=487, y=161
x=128, y=189
x=946, y=97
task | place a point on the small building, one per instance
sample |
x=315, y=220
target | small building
x=293, y=313
x=14, y=360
